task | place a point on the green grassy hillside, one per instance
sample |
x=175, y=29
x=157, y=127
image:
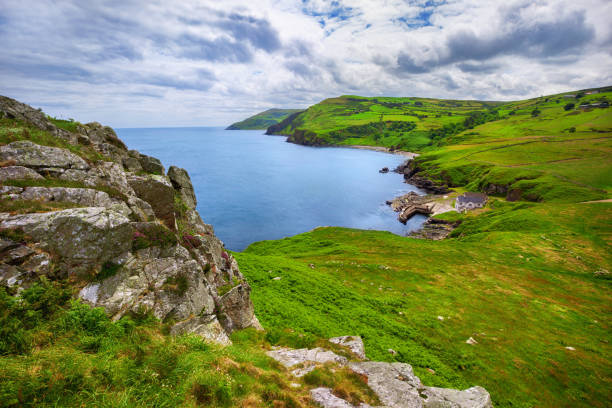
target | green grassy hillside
x=262, y=120
x=414, y=123
x=526, y=279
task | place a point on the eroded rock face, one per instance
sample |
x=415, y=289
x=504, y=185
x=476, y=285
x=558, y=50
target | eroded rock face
x=166, y=281
x=28, y=154
x=116, y=247
x=80, y=238
x=159, y=193
x=237, y=309
x=182, y=183
x=18, y=173
x=85, y=197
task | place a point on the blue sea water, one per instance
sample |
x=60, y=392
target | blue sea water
x=253, y=187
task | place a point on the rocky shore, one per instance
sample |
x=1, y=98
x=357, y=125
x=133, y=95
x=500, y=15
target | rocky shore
x=79, y=207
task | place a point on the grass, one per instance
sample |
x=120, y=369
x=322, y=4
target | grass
x=519, y=278
x=12, y=130
x=262, y=120
x=70, y=125
x=58, y=352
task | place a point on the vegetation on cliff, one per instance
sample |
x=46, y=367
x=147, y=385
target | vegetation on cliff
x=262, y=120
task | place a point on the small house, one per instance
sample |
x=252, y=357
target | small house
x=470, y=201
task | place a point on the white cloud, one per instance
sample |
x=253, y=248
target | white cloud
x=154, y=63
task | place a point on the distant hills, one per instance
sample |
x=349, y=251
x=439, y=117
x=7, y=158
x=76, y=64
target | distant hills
x=263, y=120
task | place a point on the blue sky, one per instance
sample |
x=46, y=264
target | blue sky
x=134, y=63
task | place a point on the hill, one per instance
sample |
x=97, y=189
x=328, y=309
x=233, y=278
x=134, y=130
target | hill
x=527, y=277
x=263, y=120
x=409, y=123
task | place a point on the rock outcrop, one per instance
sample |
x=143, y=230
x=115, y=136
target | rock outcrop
x=134, y=241
x=395, y=384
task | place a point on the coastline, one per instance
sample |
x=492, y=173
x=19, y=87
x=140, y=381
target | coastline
x=382, y=149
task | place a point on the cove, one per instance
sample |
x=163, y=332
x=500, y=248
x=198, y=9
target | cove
x=252, y=187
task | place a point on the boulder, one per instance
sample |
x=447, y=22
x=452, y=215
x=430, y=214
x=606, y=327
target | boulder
x=208, y=327
x=397, y=386
x=80, y=238
x=353, y=343
x=159, y=193
x=132, y=164
x=325, y=399
x=182, y=183
x=28, y=154
x=475, y=397
x=18, y=173
x=151, y=164
x=307, y=359
x=237, y=308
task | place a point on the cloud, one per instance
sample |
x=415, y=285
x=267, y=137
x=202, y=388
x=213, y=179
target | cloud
x=211, y=63
x=532, y=39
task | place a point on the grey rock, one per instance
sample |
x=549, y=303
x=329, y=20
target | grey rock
x=207, y=327
x=18, y=173
x=151, y=164
x=28, y=154
x=397, y=386
x=132, y=164
x=16, y=255
x=81, y=238
x=308, y=358
x=159, y=193
x=16, y=110
x=85, y=197
x=141, y=209
x=238, y=310
x=324, y=398
x=100, y=134
x=354, y=343
x=394, y=383
x=475, y=397
x=182, y=183
x=169, y=284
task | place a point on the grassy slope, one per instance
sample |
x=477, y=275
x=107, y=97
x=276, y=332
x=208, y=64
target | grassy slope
x=335, y=114
x=520, y=278
x=263, y=119
x=557, y=156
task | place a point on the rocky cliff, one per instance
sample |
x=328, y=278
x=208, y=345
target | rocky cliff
x=79, y=206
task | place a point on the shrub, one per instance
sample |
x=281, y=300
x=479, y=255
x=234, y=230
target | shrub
x=569, y=106
x=536, y=112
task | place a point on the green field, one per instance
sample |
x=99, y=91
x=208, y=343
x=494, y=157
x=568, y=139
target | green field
x=262, y=120
x=525, y=279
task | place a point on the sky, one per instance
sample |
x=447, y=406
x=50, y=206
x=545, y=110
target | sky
x=137, y=63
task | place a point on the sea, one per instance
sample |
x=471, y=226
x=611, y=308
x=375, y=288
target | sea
x=252, y=187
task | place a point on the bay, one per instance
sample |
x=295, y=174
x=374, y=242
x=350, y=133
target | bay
x=253, y=187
